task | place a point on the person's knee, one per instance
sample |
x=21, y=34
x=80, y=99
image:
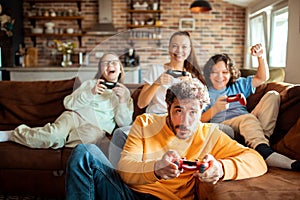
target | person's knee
x=227, y=129
x=273, y=95
x=119, y=137
x=81, y=149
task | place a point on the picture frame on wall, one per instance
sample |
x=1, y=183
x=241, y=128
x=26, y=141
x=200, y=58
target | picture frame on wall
x=187, y=24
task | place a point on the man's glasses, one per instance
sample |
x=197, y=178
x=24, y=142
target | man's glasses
x=111, y=62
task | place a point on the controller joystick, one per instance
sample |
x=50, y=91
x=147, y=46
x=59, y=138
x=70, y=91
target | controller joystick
x=177, y=73
x=109, y=85
x=184, y=164
x=237, y=97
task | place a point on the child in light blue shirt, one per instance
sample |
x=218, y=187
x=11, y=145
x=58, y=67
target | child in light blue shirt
x=223, y=79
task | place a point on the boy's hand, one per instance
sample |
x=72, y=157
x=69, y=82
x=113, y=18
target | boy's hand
x=257, y=50
x=221, y=104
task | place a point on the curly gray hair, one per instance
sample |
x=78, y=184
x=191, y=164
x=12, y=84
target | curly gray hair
x=188, y=90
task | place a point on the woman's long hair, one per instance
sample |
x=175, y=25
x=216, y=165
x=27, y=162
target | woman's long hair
x=190, y=64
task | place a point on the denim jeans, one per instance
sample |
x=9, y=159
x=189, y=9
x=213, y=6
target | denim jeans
x=91, y=176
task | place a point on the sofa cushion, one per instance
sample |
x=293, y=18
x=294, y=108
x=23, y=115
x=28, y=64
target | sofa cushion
x=15, y=156
x=33, y=103
x=289, y=145
x=276, y=74
x=135, y=96
x=277, y=184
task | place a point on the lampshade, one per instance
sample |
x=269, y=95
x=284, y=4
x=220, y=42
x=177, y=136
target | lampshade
x=200, y=6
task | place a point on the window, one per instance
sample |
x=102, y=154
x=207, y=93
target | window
x=269, y=26
x=257, y=33
x=279, y=35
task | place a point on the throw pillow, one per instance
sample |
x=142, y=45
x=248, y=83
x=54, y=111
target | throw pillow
x=289, y=145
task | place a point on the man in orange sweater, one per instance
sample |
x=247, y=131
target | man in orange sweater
x=149, y=166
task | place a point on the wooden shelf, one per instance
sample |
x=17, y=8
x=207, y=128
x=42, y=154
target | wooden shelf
x=55, y=18
x=145, y=11
x=53, y=34
x=35, y=35
x=143, y=26
x=49, y=1
x=34, y=19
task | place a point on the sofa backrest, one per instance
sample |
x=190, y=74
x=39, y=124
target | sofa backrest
x=34, y=103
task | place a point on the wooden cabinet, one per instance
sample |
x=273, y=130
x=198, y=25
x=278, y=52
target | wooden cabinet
x=144, y=20
x=38, y=14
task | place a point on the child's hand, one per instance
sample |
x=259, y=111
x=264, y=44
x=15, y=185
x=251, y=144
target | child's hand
x=221, y=104
x=257, y=50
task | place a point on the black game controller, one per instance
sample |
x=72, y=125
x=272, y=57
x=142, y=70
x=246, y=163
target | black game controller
x=184, y=164
x=177, y=73
x=237, y=97
x=109, y=85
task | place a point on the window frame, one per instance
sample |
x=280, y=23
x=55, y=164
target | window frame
x=253, y=61
x=279, y=9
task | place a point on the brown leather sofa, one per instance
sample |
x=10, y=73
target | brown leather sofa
x=41, y=172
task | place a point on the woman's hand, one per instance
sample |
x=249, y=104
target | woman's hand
x=164, y=79
x=122, y=92
x=98, y=88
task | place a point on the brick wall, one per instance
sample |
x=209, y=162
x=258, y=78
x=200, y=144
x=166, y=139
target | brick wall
x=220, y=30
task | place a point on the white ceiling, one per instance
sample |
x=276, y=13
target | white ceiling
x=243, y=3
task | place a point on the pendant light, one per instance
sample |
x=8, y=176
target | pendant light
x=200, y=6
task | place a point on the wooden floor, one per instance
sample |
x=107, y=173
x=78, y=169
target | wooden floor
x=23, y=197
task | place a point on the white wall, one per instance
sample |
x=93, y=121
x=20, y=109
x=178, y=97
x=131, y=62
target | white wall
x=293, y=48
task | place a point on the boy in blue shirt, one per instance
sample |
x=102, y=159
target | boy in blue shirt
x=223, y=79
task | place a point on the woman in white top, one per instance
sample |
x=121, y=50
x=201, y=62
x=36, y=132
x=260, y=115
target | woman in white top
x=182, y=58
x=152, y=96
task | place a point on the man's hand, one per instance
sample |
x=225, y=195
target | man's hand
x=166, y=168
x=214, y=171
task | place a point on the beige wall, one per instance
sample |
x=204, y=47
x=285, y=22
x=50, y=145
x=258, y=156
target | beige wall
x=293, y=51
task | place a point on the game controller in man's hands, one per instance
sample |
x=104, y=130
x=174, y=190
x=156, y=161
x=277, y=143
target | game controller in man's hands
x=177, y=73
x=184, y=164
x=109, y=85
x=237, y=97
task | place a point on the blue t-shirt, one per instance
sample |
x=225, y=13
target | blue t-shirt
x=242, y=85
